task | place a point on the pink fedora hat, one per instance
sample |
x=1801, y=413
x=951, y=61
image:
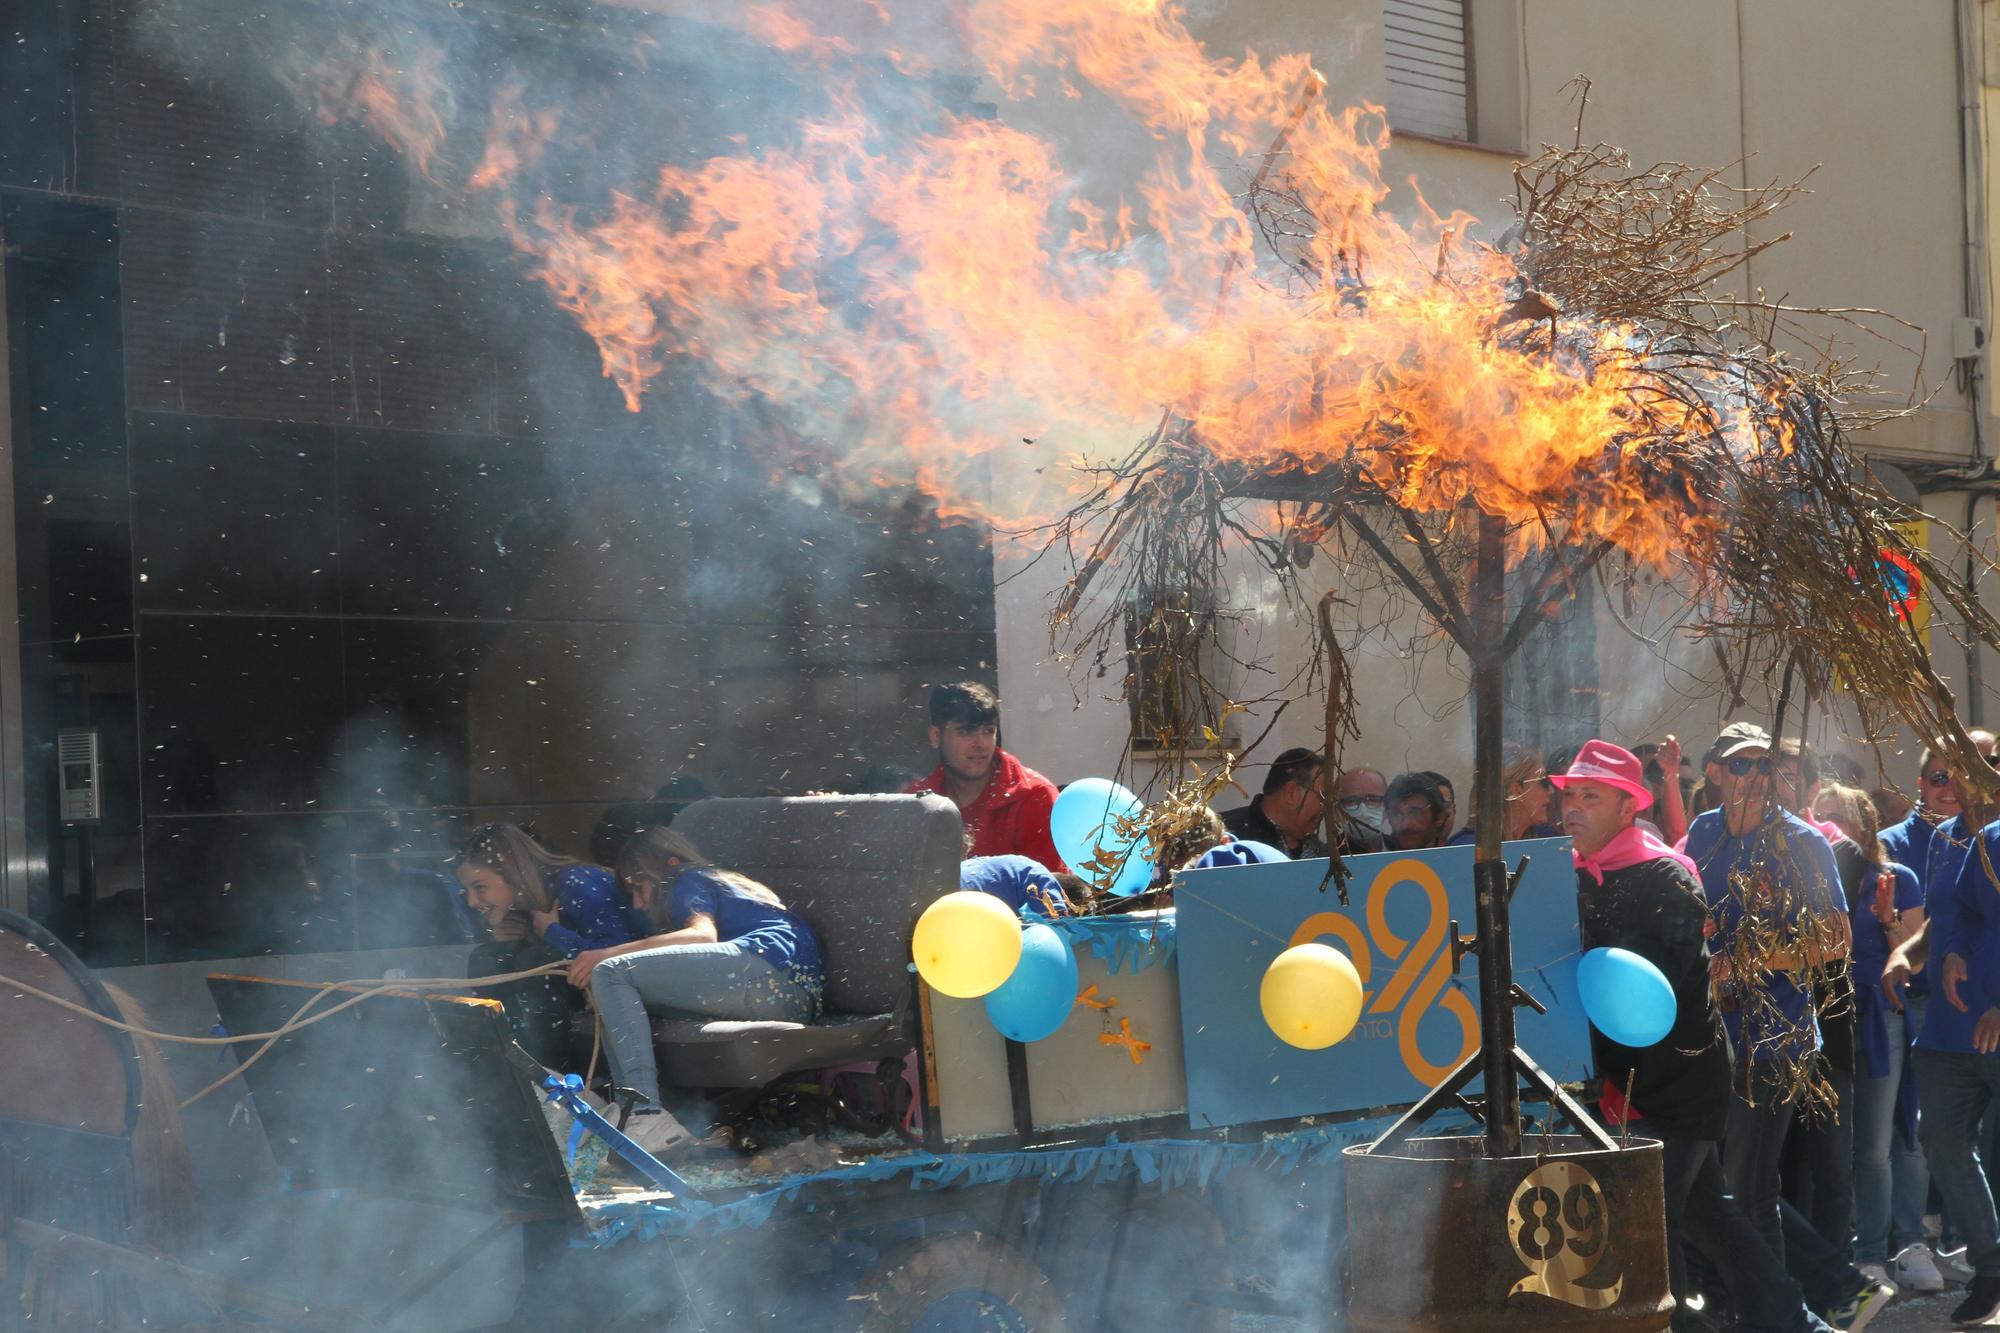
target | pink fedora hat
x=1601, y=761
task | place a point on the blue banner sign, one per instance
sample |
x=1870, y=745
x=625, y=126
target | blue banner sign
x=1418, y=1018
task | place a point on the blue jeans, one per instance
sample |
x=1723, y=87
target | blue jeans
x=1752, y=1155
x=697, y=981
x=1957, y=1090
x=1891, y=1177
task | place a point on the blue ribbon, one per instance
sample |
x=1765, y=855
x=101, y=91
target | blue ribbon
x=1167, y=1163
x=1121, y=943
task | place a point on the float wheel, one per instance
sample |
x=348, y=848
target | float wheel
x=959, y=1283
x=1136, y=1259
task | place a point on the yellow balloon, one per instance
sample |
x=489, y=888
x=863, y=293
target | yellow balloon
x=966, y=944
x=1311, y=996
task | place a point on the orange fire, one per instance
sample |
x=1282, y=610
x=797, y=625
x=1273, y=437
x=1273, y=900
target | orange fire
x=515, y=139
x=397, y=96
x=914, y=302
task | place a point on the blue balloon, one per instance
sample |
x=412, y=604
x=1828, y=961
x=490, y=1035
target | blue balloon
x=1037, y=998
x=1135, y=876
x=1083, y=825
x=1625, y=996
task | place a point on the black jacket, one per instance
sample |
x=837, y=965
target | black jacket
x=1251, y=822
x=1680, y=1085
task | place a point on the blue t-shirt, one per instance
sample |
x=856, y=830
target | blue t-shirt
x=590, y=912
x=1871, y=938
x=1239, y=852
x=1871, y=952
x=1908, y=842
x=1945, y=1028
x=1786, y=871
x=780, y=937
x=1965, y=920
x=1019, y=881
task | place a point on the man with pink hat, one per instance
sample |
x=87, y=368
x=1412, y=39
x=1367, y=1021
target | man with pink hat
x=1634, y=892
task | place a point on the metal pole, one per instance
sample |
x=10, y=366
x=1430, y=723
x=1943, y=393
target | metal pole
x=1489, y=871
x=14, y=857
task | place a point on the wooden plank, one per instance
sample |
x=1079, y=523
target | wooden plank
x=933, y=1113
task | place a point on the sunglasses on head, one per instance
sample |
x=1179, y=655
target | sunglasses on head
x=1739, y=764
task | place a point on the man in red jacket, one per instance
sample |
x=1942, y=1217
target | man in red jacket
x=1005, y=804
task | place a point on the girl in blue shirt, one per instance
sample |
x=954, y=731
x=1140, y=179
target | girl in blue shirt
x=726, y=947
x=540, y=907
x=1891, y=1178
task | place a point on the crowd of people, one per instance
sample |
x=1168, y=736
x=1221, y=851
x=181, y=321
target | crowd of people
x=1825, y=1099
x=1816, y=1085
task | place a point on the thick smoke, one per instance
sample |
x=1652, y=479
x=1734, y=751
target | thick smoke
x=509, y=127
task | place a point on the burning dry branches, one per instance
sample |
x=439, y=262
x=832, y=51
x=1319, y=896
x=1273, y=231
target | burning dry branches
x=1781, y=927
x=1619, y=409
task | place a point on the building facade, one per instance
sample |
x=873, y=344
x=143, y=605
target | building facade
x=328, y=534
x=1885, y=110
x=325, y=528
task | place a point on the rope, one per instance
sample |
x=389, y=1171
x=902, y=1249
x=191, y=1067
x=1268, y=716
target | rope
x=369, y=989
x=374, y=986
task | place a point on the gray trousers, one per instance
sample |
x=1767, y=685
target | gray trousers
x=686, y=981
x=1958, y=1088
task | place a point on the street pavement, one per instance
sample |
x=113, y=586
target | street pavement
x=1919, y=1314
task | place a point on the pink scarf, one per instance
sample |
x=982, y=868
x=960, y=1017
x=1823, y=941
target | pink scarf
x=1632, y=847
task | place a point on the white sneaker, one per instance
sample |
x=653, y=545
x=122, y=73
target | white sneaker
x=1916, y=1270
x=656, y=1131
x=1878, y=1273
x=1954, y=1268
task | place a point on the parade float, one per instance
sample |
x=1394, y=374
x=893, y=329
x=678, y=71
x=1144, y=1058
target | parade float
x=1337, y=384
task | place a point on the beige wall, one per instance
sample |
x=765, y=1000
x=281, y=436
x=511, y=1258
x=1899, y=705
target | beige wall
x=1864, y=93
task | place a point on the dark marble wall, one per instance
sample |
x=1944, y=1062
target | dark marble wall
x=329, y=524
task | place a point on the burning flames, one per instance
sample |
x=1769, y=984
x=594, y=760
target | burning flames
x=911, y=301
x=400, y=99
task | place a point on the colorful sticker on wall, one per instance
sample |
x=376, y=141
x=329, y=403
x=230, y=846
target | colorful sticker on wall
x=1903, y=582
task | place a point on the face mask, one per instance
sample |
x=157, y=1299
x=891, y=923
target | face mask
x=1367, y=814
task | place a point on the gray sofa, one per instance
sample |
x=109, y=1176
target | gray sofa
x=861, y=869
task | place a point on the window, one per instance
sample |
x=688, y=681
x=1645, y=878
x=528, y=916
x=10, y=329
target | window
x=1427, y=46
x=1455, y=70
x=1179, y=673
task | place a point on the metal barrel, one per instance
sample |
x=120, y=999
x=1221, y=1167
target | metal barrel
x=1441, y=1236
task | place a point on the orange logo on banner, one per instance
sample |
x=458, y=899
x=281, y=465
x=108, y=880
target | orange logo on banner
x=1422, y=975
